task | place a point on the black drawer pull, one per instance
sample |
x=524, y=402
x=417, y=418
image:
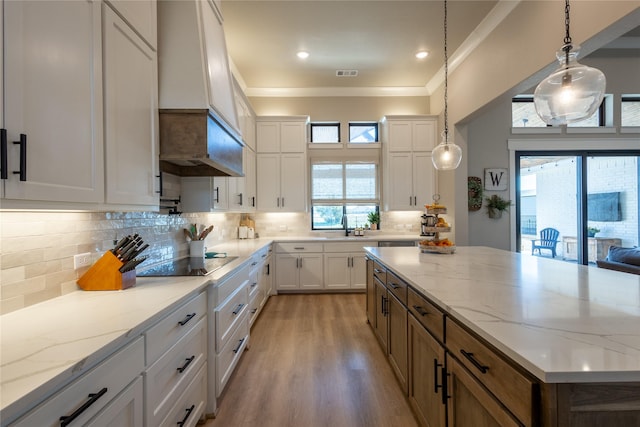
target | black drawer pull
x=186, y=417
x=93, y=398
x=393, y=285
x=254, y=311
x=4, y=174
x=254, y=263
x=235, y=350
x=421, y=311
x=375, y=270
x=23, y=157
x=187, y=363
x=238, y=309
x=482, y=368
x=299, y=248
x=186, y=319
x=254, y=284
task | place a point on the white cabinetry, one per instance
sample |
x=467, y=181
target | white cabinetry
x=204, y=194
x=176, y=354
x=228, y=303
x=131, y=113
x=409, y=175
x=344, y=266
x=93, y=398
x=141, y=15
x=194, y=66
x=299, y=266
x=281, y=182
x=281, y=163
x=53, y=96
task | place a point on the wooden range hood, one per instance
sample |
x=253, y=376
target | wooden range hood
x=193, y=142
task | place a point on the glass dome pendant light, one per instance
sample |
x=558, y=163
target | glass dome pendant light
x=573, y=92
x=446, y=155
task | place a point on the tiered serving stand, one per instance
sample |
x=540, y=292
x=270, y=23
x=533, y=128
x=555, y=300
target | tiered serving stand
x=435, y=232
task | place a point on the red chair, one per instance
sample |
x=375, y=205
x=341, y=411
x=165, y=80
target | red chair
x=548, y=240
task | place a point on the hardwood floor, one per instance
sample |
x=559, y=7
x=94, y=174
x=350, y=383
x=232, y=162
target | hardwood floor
x=313, y=361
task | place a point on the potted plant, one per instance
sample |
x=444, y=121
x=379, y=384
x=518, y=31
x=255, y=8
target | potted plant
x=591, y=231
x=374, y=219
x=496, y=205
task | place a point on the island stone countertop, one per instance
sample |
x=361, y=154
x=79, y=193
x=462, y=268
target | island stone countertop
x=562, y=322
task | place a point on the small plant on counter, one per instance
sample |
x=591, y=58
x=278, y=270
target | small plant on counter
x=374, y=219
x=496, y=205
x=592, y=231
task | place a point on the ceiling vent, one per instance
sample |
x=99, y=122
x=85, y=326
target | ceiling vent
x=346, y=73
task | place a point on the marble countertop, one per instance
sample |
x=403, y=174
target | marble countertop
x=561, y=321
x=49, y=344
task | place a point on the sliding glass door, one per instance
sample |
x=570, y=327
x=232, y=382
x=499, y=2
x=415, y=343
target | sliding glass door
x=571, y=206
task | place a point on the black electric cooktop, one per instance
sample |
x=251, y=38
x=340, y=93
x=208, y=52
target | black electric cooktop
x=186, y=267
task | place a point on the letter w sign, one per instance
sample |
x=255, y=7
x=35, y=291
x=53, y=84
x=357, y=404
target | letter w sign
x=495, y=179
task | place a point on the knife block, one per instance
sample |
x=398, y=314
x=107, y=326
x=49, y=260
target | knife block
x=104, y=275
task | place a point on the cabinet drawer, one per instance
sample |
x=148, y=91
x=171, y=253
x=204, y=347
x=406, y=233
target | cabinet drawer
x=229, y=314
x=190, y=405
x=220, y=292
x=166, y=379
x=169, y=330
x=398, y=287
x=298, y=247
x=228, y=357
x=380, y=271
x=348, y=246
x=100, y=385
x=510, y=387
x=427, y=314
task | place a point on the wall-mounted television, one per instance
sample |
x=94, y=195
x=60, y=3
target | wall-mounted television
x=604, y=207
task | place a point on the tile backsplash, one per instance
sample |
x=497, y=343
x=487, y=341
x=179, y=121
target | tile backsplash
x=37, y=247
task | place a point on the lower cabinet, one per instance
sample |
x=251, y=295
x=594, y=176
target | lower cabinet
x=426, y=374
x=299, y=271
x=344, y=270
x=185, y=412
x=381, y=325
x=470, y=404
x=97, y=397
x=397, y=340
x=371, y=294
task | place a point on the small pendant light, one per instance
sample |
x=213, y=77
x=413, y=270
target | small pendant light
x=573, y=92
x=446, y=155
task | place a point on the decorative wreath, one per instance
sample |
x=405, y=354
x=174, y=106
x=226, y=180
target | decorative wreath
x=474, y=185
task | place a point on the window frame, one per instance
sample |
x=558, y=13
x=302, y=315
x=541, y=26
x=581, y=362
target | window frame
x=375, y=124
x=628, y=98
x=344, y=202
x=326, y=125
x=601, y=115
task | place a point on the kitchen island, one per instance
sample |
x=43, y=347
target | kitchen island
x=571, y=332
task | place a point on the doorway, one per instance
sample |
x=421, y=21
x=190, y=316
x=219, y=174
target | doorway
x=589, y=197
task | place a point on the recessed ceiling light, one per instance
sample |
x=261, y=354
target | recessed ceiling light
x=422, y=54
x=302, y=54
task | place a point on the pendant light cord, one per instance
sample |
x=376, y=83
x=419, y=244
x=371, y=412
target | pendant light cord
x=446, y=73
x=567, y=37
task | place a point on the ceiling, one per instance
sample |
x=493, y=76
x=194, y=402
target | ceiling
x=378, y=38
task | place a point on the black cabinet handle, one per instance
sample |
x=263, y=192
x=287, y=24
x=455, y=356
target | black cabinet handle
x=216, y=191
x=278, y=201
x=445, y=387
x=186, y=417
x=253, y=201
x=238, y=309
x=187, y=363
x=436, y=367
x=283, y=202
x=254, y=264
x=393, y=285
x=421, y=311
x=254, y=311
x=4, y=174
x=187, y=319
x=268, y=269
x=23, y=157
x=378, y=271
x=240, y=198
x=482, y=368
x=65, y=420
x=235, y=350
x=159, y=184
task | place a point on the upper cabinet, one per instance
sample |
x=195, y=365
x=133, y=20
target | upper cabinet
x=282, y=134
x=79, y=94
x=409, y=176
x=53, y=101
x=131, y=113
x=142, y=16
x=193, y=61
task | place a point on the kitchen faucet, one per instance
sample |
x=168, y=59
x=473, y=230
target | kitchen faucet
x=346, y=227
